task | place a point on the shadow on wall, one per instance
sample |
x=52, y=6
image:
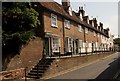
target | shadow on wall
x=29, y=55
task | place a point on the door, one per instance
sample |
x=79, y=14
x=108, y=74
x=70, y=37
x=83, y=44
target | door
x=47, y=46
x=76, y=44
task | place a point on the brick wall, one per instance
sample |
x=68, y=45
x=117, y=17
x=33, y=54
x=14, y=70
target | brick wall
x=29, y=56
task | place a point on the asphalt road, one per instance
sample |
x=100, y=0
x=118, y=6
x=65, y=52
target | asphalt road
x=102, y=69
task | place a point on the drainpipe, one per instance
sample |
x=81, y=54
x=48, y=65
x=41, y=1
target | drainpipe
x=63, y=34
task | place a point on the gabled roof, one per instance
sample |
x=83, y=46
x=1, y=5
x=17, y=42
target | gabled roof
x=58, y=9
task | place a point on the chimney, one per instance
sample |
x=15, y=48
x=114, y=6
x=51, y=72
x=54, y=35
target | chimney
x=107, y=31
x=86, y=19
x=101, y=26
x=66, y=6
x=95, y=22
x=66, y=3
x=81, y=11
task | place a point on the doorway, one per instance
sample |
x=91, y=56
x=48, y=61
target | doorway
x=47, y=46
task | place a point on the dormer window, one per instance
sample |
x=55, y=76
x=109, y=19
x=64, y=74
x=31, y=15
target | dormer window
x=92, y=24
x=79, y=28
x=86, y=30
x=88, y=20
x=81, y=17
x=70, y=11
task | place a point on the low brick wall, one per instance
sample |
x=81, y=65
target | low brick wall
x=62, y=64
x=12, y=74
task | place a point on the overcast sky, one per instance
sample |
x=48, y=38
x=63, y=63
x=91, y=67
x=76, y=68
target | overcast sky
x=105, y=11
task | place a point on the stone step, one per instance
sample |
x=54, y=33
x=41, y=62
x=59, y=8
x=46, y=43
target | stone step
x=35, y=74
x=29, y=76
x=46, y=61
x=39, y=68
x=42, y=66
x=40, y=71
x=42, y=63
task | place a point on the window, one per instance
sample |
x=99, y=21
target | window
x=94, y=33
x=80, y=28
x=68, y=44
x=87, y=44
x=70, y=11
x=67, y=24
x=86, y=30
x=81, y=17
x=81, y=43
x=55, y=44
x=88, y=21
x=98, y=35
x=53, y=20
x=92, y=23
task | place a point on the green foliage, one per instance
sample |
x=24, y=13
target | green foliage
x=117, y=41
x=19, y=22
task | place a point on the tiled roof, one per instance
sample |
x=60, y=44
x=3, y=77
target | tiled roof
x=57, y=8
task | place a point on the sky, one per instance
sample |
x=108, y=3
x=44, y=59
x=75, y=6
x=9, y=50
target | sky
x=105, y=11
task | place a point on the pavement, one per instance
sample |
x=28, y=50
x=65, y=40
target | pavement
x=105, y=68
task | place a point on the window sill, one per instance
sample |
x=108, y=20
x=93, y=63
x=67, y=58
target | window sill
x=80, y=31
x=54, y=26
x=67, y=28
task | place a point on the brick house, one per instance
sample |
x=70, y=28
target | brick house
x=68, y=32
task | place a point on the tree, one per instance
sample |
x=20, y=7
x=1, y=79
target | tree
x=117, y=41
x=19, y=23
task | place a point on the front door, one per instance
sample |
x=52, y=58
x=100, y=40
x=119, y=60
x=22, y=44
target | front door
x=47, y=46
x=76, y=44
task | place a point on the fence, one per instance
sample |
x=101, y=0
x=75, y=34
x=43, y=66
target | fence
x=80, y=50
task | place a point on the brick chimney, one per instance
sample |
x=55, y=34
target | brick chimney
x=86, y=19
x=81, y=11
x=66, y=3
x=95, y=22
x=106, y=31
x=66, y=6
x=101, y=26
x=91, y=23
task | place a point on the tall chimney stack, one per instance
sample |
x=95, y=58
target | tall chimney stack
x=66, y=3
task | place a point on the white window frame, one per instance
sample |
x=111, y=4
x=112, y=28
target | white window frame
x=81, y=43
x=69, y=44
x=86, y=44
x=70, y=11
x=94, y=33
x=92, y=23
x=66, y=23
x=55, y=47
x=52, y=21
x=86, y=30
x=88, y=21
x=79, y=28
x=98, y=35
x=81, y=17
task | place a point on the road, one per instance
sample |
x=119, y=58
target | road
x=103, y=69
